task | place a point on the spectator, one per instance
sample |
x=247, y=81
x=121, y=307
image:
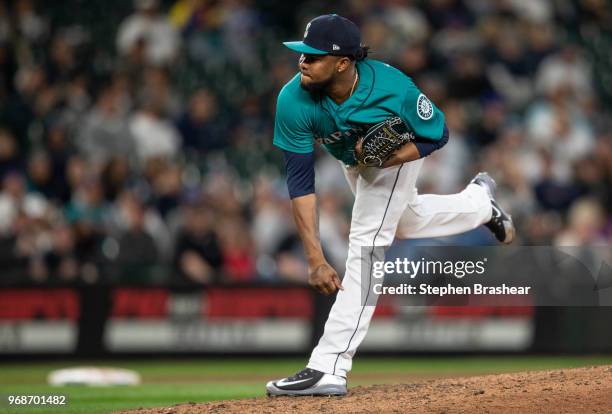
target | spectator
x=445, y=169
x=88, y=205
x=241, y=27
x=10, y=159
x=62, y=65
x=87, y=213
x=510, y=70
x=166, y=186
x=153, y=135
x=40, y=176
x=236, y=250
x=291, y=264
x=60, y=261
x=15, y=201
x=129, y=216
x=8, y=67
x=408, y=23
x=269, y=224
x=5, y=24
x=541, y=43
x=566, y=70
x=115, y=177
x=30, y=24
x=156, y=86
x=467, y=79
x=561, y=129
x=105, y=132
x=199, y=125
x=585, y=225
x=14, y=259
x=552, y=193
x=138, y=255
x=414, y=60
x=151, y=30
x=60, y=152
x=448, y=13
x=490, y=124
x=198, y=255
x=76, y=174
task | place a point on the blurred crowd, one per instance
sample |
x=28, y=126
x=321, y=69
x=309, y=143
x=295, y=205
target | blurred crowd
x=135, y=138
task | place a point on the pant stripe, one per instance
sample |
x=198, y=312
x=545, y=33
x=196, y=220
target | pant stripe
x=371, y=264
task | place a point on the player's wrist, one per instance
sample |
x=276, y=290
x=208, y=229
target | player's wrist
x=314, y=263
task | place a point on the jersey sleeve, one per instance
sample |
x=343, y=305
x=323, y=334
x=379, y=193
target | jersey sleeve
x=300, y=173
x=292, y=125
x=422, y=115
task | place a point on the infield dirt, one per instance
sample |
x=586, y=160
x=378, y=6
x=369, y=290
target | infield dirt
x=584, y=390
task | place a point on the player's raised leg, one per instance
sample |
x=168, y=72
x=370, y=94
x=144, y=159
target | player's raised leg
x=430, y=215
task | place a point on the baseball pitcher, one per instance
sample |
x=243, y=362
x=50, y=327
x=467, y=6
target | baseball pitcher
x=378, y=124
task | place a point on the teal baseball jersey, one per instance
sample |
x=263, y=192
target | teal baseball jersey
x=383, y=91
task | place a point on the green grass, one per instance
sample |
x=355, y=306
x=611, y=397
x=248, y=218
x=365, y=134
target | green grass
x=172, y=382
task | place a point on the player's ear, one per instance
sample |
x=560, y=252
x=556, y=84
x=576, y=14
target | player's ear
x=343, y=64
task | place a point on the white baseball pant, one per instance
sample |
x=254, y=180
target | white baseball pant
x=387, y=205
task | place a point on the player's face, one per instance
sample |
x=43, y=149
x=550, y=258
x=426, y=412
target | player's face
x=317, y=71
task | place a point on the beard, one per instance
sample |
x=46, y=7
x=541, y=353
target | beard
x=317, y=89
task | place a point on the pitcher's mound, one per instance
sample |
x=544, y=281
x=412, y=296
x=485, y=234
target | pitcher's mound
x=584, y=390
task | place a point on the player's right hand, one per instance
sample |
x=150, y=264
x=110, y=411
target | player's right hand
x=324, y=279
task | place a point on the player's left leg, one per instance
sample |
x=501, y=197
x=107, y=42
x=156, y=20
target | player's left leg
x=430, y=215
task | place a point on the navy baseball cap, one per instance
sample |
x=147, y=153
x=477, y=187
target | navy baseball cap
x=329, y=34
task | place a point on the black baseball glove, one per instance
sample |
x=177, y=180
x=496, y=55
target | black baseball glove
x=382, y=140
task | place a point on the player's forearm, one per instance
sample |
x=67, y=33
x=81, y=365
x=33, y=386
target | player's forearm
x=406, y=153
x=306, y=219
x=419, y=148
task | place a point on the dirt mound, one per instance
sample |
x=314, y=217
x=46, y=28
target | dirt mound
x=584, y=390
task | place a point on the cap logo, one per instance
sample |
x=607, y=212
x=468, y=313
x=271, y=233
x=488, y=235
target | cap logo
x=306, y=31
x=335, y=47
x=424, y=108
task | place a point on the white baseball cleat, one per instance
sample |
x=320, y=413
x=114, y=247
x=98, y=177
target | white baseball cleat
x=308, y=382
x=501, y=224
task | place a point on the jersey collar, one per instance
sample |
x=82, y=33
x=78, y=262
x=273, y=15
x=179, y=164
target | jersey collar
x=359, y=96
